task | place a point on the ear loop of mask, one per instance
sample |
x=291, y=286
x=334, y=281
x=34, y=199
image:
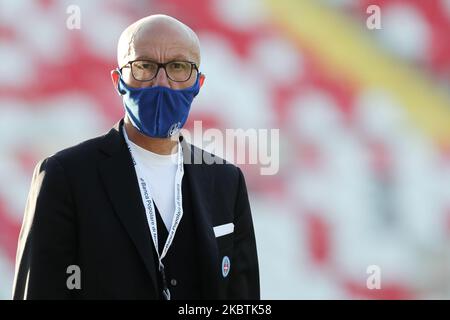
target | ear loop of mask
x=120, y=91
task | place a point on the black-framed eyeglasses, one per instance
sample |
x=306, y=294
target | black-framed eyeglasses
x=146, y=70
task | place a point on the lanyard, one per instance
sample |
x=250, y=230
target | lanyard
x=150, y=209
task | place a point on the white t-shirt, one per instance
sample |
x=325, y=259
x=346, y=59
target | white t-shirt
x=159, y=171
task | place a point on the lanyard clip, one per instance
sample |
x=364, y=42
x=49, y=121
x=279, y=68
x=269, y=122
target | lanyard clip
x=166, y=292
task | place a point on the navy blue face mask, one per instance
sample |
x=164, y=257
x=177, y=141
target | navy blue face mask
x=158, y=112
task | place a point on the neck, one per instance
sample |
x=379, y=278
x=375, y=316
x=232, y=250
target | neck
x=163, y=146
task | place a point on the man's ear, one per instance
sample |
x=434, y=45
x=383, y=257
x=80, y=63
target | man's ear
x=201, y=79
x=115, y=76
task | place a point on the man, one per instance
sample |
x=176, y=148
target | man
x=130, y=215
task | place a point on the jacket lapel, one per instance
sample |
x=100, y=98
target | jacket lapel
x=201, y=184
x=119, y=177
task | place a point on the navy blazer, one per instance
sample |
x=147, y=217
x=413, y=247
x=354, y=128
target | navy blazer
x=84, y=208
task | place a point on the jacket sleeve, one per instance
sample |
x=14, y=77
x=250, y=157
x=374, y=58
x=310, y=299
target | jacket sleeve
x=47, y=241
x=244, y=271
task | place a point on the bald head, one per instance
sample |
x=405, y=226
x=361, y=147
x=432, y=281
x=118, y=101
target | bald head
x=160, y=38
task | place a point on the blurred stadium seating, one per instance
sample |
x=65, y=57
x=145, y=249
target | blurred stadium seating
x=364, y=118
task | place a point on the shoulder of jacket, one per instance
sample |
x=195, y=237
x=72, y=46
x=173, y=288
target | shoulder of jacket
x=79, y=153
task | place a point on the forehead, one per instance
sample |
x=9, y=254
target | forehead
x=162, y=46
x=162, y=54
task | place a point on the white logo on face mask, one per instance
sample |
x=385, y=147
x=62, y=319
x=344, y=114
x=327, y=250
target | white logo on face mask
x=174, y=129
